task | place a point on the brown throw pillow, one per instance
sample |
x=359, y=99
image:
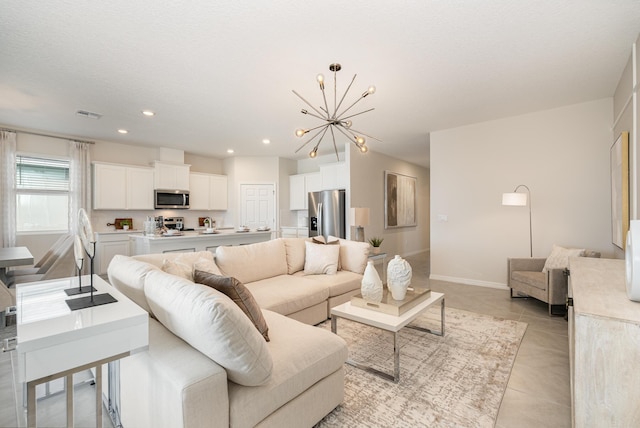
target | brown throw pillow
x=237, y=292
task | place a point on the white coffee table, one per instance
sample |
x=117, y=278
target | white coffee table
x=390, y=323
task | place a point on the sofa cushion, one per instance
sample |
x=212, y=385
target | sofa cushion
x=188, y=258
x=128, y=275
x=353, y=255
x=185, y=266
x=295, y=249
x=287, y=294
x=321, y=259
x=302, y=356
x=559, y=257
x=210, y=322
x=531, y=278
x=253, y=262
x=338, y=284
x=240, y=295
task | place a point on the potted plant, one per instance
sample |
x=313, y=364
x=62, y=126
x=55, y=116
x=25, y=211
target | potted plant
x=375, y=243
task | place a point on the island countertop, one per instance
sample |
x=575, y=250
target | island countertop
x=194, y=241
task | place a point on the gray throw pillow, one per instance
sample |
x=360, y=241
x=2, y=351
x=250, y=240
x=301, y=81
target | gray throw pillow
x=240, y=295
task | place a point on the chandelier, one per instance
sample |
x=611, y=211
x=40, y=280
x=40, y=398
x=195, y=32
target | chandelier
x=335, y=120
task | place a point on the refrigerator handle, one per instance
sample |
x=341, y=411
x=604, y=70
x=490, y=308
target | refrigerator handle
x=320, y=219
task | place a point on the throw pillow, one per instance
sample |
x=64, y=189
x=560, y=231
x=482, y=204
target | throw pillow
x=211, y=323
x=353, y=255
x=240, y=295
x=321, y=259
x=184, y=266
x=559, y=257
x=178, y=268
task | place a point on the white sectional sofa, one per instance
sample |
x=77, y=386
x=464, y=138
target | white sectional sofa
x=208, y=366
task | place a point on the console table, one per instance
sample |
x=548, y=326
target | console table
x=604, y=345
x=55, y=342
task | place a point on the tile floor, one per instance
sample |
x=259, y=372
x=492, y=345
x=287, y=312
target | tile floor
x=537, y=394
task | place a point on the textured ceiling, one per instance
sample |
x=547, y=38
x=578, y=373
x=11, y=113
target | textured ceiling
x=219, y=74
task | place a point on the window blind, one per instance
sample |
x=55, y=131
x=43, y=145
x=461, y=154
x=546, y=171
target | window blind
x=42, y=174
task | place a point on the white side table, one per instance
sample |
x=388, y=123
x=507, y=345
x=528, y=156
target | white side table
x=55, y=342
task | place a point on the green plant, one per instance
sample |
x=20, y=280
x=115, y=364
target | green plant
x=376, y=241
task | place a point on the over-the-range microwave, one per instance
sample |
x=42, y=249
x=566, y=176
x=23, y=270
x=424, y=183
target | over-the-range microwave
x=175, y=199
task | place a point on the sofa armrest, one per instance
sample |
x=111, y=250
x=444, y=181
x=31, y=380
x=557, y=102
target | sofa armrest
x=534, y=264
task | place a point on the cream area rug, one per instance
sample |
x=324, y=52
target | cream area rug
x=453, y=381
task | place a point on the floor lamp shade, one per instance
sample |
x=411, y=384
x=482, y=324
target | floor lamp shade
x=514, y=199
x=359, y=219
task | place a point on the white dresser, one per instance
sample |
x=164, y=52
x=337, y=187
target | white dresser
x=604, y=345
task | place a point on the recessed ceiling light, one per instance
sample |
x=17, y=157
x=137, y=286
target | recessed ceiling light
x=229, y=150
x=266, y=141
x=148, y=113
x=123, y=131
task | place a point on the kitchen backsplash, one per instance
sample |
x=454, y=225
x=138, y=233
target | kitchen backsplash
x=101, y=218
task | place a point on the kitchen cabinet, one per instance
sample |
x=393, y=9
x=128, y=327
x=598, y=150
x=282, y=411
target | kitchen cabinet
x=334, y=176
x=108, y=245
x=294, y=232
x=122, y=187
x=603, y=345
x=170, y=176
x=299, y=186
x=208, y=191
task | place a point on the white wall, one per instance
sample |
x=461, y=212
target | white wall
x=562, y=155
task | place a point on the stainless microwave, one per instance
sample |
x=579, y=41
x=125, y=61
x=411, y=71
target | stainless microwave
x=175, y=199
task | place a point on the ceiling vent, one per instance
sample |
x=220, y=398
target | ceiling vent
x=88, y=114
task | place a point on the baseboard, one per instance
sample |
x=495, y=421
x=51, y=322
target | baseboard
x=468, y=281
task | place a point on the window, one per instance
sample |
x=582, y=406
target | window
x=42, y=194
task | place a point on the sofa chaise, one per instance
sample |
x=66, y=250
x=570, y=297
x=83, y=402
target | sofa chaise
x=207, y=365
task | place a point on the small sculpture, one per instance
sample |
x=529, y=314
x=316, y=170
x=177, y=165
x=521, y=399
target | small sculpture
x=398, y=277
x=371, y=285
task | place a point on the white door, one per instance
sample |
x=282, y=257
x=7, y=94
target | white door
x=258, y=202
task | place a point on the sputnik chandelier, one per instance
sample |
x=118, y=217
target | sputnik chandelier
x=334, y=119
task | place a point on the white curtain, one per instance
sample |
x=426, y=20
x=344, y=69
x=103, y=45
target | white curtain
x=79, y=182
x=8, y=188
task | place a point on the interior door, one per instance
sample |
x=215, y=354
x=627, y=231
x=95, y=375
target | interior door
x=258, y=202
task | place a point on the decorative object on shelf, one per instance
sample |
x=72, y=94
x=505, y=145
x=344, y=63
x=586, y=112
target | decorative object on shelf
x=371, y=284
x=334, y=119
x=516, y=199
x=359, y=219
x=399, y=200
x=375, y=244
x=398, y=277
x=78, y=255
x=619, y=164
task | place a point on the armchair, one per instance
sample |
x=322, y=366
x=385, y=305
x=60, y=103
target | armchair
x=526, y=276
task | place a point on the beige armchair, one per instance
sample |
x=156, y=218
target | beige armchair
x=526, y=277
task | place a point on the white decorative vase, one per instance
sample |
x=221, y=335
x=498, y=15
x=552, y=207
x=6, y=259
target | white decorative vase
x=398, y=277
x=371, y=285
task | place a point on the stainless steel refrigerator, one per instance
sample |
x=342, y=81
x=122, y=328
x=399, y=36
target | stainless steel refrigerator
x=326, y=213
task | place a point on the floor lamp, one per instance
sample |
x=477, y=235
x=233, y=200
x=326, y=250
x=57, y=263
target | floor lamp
x=516, y=199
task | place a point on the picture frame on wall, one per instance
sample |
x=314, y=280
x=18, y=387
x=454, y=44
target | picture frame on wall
x=399, y=200
x=619, y=167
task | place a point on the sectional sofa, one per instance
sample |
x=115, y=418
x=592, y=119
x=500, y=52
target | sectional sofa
x=207, y=365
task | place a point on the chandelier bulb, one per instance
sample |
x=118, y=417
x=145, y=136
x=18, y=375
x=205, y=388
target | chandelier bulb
x=363, y=149
x=313, y=153
x=360, y=140
x=371, y=90
x=320, y=79
x=347, y=124
x=300, y=132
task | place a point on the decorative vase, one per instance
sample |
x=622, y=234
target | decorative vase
x=371, y=285
x=398, y=277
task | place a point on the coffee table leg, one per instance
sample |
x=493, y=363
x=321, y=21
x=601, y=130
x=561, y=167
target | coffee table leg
x=334, y=324
x=396, y=358
x=428, y=330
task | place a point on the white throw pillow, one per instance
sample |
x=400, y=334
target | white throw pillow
x=321, y=259
x=353, y=255
x=213, y=324
x=185, y=264
x=559, y=257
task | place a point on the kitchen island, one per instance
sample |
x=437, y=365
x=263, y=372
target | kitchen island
x=194, y=241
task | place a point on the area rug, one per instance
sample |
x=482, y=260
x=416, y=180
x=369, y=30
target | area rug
x=453, y=381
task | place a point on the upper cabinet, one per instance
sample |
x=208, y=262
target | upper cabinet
x=299, y=186
x=122, y=187
x=171, y=176
x=207, y=191
x=334, y=176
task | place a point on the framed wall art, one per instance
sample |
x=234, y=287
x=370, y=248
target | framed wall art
x=619, y=158
x=399, y=200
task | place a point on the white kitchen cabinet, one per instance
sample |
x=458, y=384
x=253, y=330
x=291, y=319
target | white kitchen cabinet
x=334, y=176
x=294, y=232
x=207, y=191
x=299, y=187
x=108, y=245
x=122, y=187
x=171, y=176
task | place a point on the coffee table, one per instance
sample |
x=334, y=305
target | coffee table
x=390, y=323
